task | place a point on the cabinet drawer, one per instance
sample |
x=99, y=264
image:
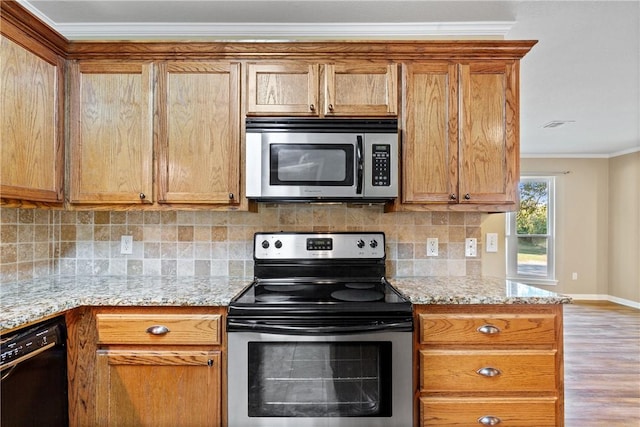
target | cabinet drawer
x=487, y=329
x=512, y=370
x=167, y=329
x=443, y=412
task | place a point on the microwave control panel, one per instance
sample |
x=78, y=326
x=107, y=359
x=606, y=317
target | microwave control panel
x=381, y=161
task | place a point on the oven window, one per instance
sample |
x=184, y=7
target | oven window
x=312, y=164
x=319, y=379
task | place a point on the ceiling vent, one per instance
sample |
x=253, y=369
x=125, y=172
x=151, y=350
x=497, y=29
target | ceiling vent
x=557, y=123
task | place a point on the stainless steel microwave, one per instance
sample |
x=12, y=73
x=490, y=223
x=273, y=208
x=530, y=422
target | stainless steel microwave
x=303, y=159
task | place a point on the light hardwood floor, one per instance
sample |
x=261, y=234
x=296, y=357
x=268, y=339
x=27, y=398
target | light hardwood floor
x=602, y=365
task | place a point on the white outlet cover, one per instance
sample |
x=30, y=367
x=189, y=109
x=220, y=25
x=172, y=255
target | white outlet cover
x=126, y=245
x=470, y=247
x=432, y=246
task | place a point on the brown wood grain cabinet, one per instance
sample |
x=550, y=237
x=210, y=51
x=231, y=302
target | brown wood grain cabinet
x=489, y=365
x=31, y=89
x=303, y=88
x=199, y=132
x=111, y=132
x=461, y=138
x=159, y=369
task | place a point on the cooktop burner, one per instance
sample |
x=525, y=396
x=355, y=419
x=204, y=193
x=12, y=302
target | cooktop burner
x=357, y=295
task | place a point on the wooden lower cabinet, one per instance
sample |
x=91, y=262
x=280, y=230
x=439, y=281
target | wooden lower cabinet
x=147, y=366
x=489, y=365
x=443, y=412
x=158, y=388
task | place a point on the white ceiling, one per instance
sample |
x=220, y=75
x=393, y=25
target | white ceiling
x=585, y=68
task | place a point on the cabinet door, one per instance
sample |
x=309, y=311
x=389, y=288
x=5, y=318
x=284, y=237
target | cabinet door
x=199, y=132
x=489, y=132
x=430, y=149
x=361, y=89
x=32, y=142
x=158, y=388
x=282, y=88
x=111, y=132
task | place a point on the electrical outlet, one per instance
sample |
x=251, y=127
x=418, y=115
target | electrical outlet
x=126, y=245
x=432, y=246
x=492, y=242
x=470, y=247
x=574, y=276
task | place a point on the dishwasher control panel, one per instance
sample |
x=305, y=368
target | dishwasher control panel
x=16, y=347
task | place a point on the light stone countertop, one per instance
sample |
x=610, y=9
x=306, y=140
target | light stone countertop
x=25, y=302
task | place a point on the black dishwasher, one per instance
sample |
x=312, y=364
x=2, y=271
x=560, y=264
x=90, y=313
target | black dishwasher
x=34, y=376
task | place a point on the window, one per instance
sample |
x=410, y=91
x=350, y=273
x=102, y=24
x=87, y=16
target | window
x=530, y=233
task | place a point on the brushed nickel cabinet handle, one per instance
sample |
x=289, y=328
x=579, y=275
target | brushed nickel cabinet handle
x=453, y=197
x=488, y=329
x=330, y=107
x=210, y=362
x=488, y=372
x=142, y=196
x=489, y=420
x=312, y=107
x=157, y=330
x=231, y=196
x=467, y=196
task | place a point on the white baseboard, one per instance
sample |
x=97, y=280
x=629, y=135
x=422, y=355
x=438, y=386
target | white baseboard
x=600, y=297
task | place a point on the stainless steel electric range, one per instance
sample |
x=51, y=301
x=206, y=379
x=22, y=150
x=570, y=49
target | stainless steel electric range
x=320, y=338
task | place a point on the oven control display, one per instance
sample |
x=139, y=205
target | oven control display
x=320, y=244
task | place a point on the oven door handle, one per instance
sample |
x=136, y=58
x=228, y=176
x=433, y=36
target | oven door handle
x=406, y=326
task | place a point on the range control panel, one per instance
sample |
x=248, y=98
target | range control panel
x=300, y=246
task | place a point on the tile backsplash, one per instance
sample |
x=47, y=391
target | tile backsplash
x=35, y=243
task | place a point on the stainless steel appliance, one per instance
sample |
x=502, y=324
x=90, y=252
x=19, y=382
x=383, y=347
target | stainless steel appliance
x=320, y=338
x=303, y=159
x=34, y=376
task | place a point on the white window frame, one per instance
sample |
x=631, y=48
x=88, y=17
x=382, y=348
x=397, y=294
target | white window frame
x=512, y=239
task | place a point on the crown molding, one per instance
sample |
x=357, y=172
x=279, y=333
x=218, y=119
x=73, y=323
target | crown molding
x=262, y=30
x=271, y=30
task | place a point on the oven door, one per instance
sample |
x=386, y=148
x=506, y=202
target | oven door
x=352, y=380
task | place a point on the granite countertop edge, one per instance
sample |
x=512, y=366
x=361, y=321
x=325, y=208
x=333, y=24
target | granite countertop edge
x=26, y=302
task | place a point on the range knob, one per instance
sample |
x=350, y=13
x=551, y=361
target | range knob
x=278, y=244
x=360, y=243
x=265, y=244
x=373, y=243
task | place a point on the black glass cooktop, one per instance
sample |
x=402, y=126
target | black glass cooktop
x=319, y=293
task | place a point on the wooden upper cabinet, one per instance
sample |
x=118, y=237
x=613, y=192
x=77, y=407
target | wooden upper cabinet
x=489, y=132
x=461, y=144
x=199, y=132
x=31, y=89
x=310, y=89
x=111, y=132
x=430, y=156
x=287, y=88
x=361, y=89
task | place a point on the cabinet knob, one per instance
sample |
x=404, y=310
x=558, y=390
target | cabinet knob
x=330, y=107
x=453, y=197
x=488, y=329
x=467, y=196
x=489, y=420
x=142, y=196
x=157, y=330
x=209, y=362
x=312, y=107
x=488, y=372
x=231, y=196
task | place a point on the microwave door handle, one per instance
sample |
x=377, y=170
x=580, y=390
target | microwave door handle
x=360, y=164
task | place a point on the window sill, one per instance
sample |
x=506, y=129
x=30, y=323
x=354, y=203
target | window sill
x=533, y=281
